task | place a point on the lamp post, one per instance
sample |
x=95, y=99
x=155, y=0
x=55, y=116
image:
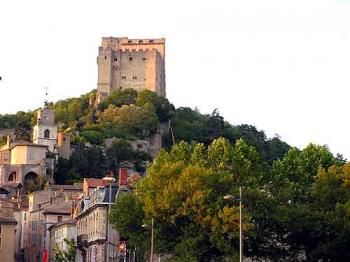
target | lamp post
x=152, y=236
x=232, y=198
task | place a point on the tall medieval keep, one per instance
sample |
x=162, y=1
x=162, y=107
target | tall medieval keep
x=130, y=63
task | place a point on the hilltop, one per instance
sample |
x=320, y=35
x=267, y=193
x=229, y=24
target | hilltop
x=129, y=115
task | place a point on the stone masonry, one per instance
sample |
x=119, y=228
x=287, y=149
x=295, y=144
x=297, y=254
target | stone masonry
x=130, y=63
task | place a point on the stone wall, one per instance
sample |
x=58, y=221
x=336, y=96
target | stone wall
x=134, y=63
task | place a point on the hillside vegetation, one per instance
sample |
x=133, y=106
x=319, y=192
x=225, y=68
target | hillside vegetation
x=129, y=115
x=296, y=203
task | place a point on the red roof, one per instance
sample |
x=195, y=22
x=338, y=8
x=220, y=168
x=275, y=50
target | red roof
x=94, y=182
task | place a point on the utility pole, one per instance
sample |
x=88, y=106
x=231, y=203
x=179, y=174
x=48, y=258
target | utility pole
x=240, y=226
x=232, y=198
x=152, y=237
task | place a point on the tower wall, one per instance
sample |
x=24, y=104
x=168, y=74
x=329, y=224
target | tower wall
x=45, y=131
x=131, y=63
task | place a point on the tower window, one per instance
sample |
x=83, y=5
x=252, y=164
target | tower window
x=115, y=59
x=130, y=58
x=105, y=57
x=47, y=133
x=124, y=77
x=134, y=77
x=144, y=58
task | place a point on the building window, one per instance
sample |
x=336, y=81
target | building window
x=0, y=229
x=151, y=41
x=33, y=239
x=140, y=41
x=134, y=77
x=144, y=58
x=105, y=57
x=124, y=77
x=59, y=219
x=12, y=177
x=47, y=133
x=115, y=59
x=130, y=58
x=129, y=41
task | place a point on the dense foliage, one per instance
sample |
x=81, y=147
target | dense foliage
x=296, y=202
x=296, y=210
x=95, y=162
x=192, y=126
x=65, y=256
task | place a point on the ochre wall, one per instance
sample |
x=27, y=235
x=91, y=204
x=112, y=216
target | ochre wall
x=7, y=248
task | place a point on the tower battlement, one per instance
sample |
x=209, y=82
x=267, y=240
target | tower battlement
x=130, y=63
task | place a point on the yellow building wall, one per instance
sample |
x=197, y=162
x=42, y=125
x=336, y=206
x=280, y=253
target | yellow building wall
x=19, y=155
x=7, y=245
x=27, y=155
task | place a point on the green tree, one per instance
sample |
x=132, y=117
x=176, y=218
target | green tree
x=134, y=119
x=122, y=97
x=23, y=131
x=183, y=192
x=88, y=161
x=163, y=108
x=66, y=256
x=93, y=137
x=127, y=217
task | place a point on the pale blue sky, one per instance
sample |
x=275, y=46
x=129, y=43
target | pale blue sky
x=280, y=65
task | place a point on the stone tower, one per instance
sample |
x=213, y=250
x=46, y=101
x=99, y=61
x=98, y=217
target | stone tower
x=45, y=130
x=135, y=63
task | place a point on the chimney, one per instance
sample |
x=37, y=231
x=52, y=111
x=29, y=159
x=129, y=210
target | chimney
x=123, y=176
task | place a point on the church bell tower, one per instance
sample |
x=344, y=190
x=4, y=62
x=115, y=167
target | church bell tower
x=45, y=130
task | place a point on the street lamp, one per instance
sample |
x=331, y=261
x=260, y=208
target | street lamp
x=232, y=198
x=152, y=236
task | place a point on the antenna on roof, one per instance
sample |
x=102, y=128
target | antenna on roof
x=46, y=101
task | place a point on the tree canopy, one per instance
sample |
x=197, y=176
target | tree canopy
x=295, y=210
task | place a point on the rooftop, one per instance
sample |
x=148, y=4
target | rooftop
x=61, y=208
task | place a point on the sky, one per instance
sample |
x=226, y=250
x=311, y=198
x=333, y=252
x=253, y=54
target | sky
x=283, y=66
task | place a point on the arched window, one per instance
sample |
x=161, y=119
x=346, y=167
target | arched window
x=12, y=177
x=47, y=133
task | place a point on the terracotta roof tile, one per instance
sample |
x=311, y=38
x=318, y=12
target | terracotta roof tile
x=94, y=182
